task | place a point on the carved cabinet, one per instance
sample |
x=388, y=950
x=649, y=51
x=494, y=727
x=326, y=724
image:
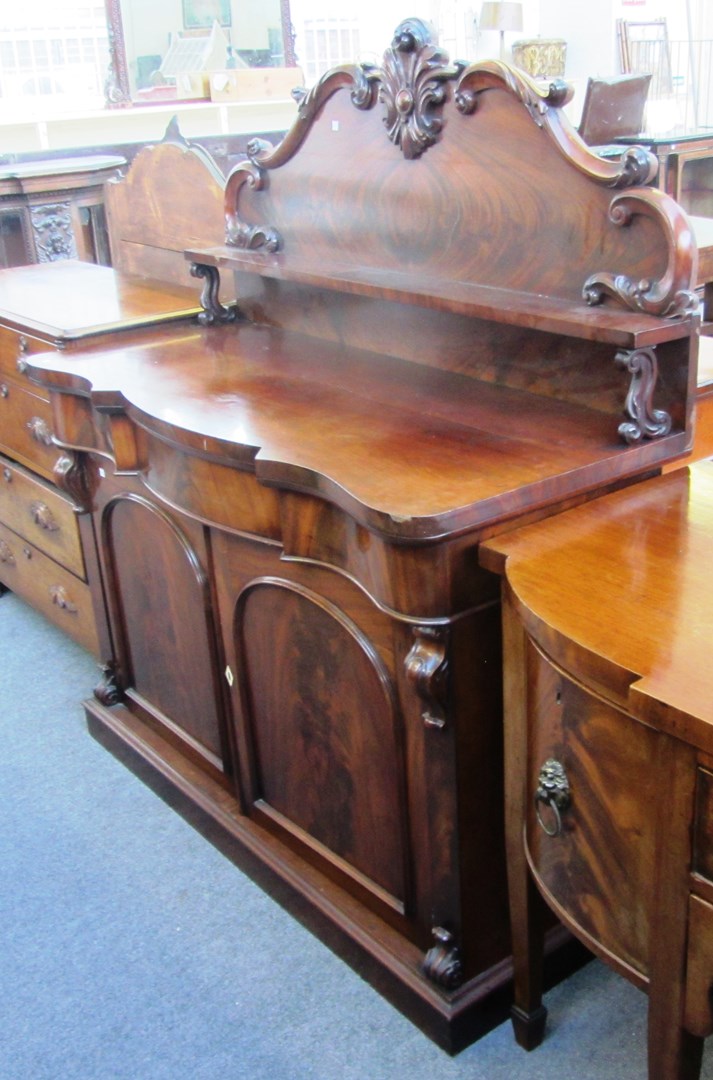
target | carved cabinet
x=47, y=548
x=430, y=345
x=53, y=210
x=326, y=729
x=350, y=723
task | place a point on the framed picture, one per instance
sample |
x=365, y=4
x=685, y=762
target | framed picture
x=199, y=14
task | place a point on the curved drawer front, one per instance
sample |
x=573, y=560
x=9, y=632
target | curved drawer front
x=40, y=514
x=48, y=587
x=26, y=427
x=594, y=856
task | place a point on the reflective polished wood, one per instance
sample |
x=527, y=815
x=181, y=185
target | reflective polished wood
x=446, y=322
x=607, y=634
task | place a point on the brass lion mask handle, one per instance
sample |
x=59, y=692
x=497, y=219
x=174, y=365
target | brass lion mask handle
x=552, y=792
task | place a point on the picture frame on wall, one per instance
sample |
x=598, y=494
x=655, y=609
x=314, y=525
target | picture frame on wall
x=201, y=14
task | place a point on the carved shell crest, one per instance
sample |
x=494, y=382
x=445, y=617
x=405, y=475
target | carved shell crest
x=412, y=87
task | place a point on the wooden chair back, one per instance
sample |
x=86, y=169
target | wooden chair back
x=613, y=107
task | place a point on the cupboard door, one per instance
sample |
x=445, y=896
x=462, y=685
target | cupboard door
x=323, y=729
x=319, y=728
x=160, y=603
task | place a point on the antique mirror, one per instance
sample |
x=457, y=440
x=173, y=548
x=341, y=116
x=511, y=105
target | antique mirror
x=257, y=32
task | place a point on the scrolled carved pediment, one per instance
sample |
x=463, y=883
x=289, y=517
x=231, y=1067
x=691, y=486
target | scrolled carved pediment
x=411, y=87
x=508, y=159
x=544, y=103
x=489, y=74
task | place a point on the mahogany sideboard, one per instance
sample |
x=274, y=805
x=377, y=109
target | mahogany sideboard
x=451, y=317
x=609, y=748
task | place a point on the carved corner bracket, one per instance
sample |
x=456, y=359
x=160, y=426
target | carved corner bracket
x=643, y=420
x=75, y=473
x=671, y=295
x=426, y=668
x=213, y=310
x=442, y=963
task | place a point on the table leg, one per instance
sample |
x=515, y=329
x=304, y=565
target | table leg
x=526, y=905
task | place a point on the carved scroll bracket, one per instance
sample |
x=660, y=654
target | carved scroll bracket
x=643, y=420
x=442, y=963
x=669, y=296
x=76, y=473
x=238, y=233
x=427, y=670
x=213, y=311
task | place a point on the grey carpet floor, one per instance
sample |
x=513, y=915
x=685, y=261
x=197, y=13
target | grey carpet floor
x=132, y=950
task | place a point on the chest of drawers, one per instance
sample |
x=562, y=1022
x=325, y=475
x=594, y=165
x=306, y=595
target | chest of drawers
x=47, y=550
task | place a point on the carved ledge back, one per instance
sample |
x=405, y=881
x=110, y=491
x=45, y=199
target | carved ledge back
x=467, y=174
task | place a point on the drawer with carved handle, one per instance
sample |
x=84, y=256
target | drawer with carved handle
x=26, y=427
x=41, y=514
x=48, y=587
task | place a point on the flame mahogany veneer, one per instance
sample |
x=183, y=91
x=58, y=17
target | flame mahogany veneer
x=452, y=317
x=607, y=631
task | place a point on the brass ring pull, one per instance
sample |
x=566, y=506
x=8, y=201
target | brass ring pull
x=553, y=792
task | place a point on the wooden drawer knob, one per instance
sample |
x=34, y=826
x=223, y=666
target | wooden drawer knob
x=60, y=597
x=552, y=792
x=21, y=363
x=43, y=516
x=6, y=554
x=39, y=430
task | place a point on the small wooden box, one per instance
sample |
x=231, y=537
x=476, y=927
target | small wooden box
x=255, y=84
